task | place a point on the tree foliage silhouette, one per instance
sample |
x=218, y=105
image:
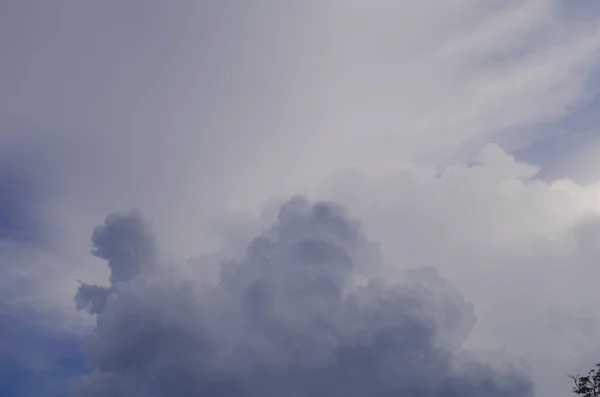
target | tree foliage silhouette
x=589, y=385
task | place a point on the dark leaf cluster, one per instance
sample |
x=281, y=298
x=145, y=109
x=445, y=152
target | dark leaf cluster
x=589, y=385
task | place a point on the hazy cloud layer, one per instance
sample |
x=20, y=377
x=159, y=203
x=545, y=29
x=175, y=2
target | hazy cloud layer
x=199, y=112
x=158, y=102
x=286, y=319
x=35, y=358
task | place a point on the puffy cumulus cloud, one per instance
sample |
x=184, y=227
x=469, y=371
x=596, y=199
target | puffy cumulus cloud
x=126, y=244
x=295, y=316
x=525, y=251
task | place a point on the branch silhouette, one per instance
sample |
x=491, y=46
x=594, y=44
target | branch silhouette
x=589, y=385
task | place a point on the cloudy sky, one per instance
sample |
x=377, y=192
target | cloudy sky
x=301, y=198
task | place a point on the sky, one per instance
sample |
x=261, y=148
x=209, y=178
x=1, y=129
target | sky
x=266, y=198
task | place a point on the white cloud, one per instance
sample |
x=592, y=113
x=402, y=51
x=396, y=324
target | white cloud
x=524, y=251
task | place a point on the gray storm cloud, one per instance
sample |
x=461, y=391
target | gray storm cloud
x=125, y=242
x=289, y=318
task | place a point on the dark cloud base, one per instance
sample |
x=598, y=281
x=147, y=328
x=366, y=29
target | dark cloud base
x=288, y=319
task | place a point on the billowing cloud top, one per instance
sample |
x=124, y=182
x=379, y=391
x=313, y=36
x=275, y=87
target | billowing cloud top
x=286, y=319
